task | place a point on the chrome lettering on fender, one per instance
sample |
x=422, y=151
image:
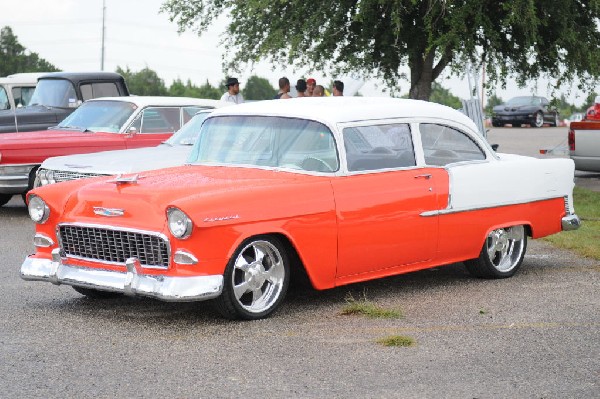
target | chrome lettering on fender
x=110, y=212
x=221, y=218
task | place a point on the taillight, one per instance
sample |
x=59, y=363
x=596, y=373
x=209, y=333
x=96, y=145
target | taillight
x=571, y=140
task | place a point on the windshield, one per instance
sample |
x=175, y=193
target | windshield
x=54, y=93
x=523, y=101
x=100, y=116
x=188, y=134
x=268, y=142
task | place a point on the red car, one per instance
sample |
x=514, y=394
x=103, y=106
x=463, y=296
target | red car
x=110, y=123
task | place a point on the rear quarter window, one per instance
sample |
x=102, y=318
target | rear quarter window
x=443, y=145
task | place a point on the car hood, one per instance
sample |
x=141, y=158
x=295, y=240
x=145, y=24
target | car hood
x=121, y=161
x=204, y=192
x=46, y=138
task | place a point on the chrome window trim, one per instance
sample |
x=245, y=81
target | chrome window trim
x=451, y=210
x=115, y=228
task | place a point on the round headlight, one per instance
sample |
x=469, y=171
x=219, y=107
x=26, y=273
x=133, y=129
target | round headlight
x=179, y=223
x=38, y=210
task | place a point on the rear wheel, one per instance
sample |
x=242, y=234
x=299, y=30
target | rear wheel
x=4, y=198
x=555, y=122
x=501, y=255
x=256, y=279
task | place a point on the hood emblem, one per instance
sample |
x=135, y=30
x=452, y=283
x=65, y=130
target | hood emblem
x=110, y=212
x=124, y=180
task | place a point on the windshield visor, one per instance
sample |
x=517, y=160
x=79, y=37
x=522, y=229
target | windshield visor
x=100, y=116
x=266, y=142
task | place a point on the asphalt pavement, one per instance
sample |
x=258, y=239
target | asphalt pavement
x=535, y=335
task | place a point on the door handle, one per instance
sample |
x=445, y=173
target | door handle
x=425, y=176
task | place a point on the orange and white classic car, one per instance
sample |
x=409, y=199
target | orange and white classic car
x=349, y=189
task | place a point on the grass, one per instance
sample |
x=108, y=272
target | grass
x=585, y=240
x=396, y=340
x=365, y=307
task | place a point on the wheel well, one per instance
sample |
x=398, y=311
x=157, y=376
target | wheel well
x=298, y=273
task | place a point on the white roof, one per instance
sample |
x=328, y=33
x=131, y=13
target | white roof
x=23, y=78
x=145, y=101
x=348, y=109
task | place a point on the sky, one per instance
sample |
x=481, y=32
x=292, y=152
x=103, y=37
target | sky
x=68, y=34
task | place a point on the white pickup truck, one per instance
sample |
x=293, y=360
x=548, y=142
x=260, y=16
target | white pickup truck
x=584, y=140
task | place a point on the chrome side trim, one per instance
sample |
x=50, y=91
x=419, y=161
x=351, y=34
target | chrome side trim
x=131, y=282
x=450, y=210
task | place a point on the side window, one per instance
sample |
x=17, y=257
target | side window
x=95, y=90
x=379, y=147
x=189, y=112
x=4, y=104
x=443, y=145
x=22, y=95
x=159, y=120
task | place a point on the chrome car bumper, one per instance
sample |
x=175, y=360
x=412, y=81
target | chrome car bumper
x=571, y=222
x=14, y=179
x=132, y=282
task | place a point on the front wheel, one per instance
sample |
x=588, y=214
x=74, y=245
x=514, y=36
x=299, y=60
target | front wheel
x=501, y=255
x=538, y=120
x=255, y=280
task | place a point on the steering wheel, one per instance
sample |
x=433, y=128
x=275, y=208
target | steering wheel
x=315, y=164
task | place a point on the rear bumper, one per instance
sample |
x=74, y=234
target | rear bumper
x=570, y=222
x=132, y=282
x=588, y=164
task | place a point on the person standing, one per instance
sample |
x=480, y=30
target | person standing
x=319, y=91
x=284, y=89
x=232, y=95
x=301, y=88
x=310, y=86
x=338, y=88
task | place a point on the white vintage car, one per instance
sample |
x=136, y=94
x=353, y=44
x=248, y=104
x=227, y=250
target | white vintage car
x=172, y=152
x=342, y=189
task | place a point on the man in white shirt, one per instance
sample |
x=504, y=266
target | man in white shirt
x=232, y=95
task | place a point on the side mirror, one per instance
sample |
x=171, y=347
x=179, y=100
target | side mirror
x=495, y=147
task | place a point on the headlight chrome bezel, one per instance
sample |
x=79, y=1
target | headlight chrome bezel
x=38, y=210
x=180, y=224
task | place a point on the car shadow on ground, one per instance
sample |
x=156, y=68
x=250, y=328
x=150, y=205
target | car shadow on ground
x=301, y=301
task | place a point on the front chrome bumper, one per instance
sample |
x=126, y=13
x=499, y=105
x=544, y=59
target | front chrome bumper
x=570, y=222
x=132, y=282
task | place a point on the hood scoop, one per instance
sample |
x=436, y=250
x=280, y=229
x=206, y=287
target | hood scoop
x=120, y=179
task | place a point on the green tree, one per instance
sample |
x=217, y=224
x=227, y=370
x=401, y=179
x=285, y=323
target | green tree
x=143, y=83
x=257, y=88
x=441, y=95
x=492, y=101
x=526, y=39
x=15, y=58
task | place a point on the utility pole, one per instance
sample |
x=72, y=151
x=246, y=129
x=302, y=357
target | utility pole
x=103, y=33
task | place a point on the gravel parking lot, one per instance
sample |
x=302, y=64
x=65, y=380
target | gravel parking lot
x=534, y=335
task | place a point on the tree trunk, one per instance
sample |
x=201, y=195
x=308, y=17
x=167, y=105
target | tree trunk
x=423, y=73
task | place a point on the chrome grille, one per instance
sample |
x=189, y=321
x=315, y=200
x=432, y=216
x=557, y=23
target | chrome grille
x=62, y=175
x=114, y=246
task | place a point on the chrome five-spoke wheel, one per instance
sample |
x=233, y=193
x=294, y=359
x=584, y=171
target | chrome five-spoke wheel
x=256, y=280
x=501, y=255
